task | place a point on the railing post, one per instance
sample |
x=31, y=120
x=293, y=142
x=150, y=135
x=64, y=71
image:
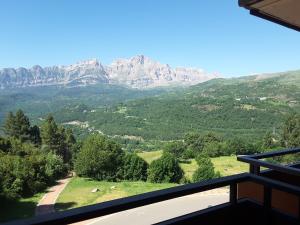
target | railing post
x=267, y=203
x=233, y=193
x=254, y=169
x=299, y=209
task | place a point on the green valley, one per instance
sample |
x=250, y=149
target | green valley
x=247, y=107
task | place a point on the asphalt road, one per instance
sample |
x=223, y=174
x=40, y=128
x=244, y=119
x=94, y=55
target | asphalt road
x=161, y=211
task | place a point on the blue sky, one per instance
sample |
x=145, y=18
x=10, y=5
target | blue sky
x=217, y=36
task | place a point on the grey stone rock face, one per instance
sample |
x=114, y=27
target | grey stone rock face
x=136, y=72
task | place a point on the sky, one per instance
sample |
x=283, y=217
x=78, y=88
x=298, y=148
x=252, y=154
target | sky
x=216, y=36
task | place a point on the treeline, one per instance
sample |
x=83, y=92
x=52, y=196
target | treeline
x=102, y=159
x=215, y=145
x=212, y=145
x=32, y=158
x=170, y=118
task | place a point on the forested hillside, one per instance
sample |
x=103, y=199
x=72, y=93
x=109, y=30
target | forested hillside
x=248, y=107
x=39, y=101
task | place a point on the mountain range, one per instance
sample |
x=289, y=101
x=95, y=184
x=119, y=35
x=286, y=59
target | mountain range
x=137, y=72
x=245, y=107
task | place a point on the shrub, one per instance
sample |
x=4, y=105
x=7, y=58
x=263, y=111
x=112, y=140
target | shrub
x=100, y=159
x=215, y=149
x=22, y=176
x=188, y=154
x=175, y=148
x=165, y=169
x=243, y=147
x=55, y=167
x=5, y=144
x=135, y=168
x=291, y=131
x=205, y=169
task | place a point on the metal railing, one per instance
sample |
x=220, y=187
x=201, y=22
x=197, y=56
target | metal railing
x=118, y=205
x=256, y=163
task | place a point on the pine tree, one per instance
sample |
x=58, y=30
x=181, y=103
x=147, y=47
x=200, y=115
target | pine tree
x=57, y=139
x=49, y=132
x=18, y=126
x=35, y=135
x=9, y=125
x=205, y=169
x=291, y=131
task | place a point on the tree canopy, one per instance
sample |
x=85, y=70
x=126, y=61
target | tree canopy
x=291, y=131
x=100, y=159
x=205, y=169
x=135, y=168
x=165, y=169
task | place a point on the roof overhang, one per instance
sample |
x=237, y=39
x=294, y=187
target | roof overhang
x=283, y=12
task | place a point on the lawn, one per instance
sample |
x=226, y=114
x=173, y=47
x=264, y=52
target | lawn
x=226, y=165
x=19, y=209
x=79, y=191
x=150, y=156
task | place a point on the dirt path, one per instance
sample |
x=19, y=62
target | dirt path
x=46, y=204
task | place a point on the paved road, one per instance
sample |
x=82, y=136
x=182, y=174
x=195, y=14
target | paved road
x=46, y=204
x=161, y=211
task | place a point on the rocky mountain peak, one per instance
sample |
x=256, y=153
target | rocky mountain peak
x=139, y=59
x=136, y=72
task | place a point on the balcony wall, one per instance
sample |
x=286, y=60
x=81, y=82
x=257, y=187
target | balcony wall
x=282, y=201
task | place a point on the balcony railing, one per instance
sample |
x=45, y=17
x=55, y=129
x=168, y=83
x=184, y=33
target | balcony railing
x=253, y=208
x=256, y=163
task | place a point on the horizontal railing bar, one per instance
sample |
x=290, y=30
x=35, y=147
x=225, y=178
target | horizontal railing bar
x=272, y=154
x=102, y=209
x=277, y=167
x=279, y=185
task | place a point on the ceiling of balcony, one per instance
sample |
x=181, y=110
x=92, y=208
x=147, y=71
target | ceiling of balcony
x=284, y=12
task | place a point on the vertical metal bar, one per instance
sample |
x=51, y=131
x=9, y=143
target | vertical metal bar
x=299, y=208
x=267, y=197
x=251, y=169
x=254, y=169
x=267, y=203
x=233, y=193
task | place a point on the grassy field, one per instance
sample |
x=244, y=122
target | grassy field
x=78, y=192
x=226, y=165
x=23, y=208
x=150, y=156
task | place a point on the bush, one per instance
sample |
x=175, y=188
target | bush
x=216, y=149
x=188, y=154
x=5, y=144
x=23, y=176
x=55, y=167
x=291, y=131
x=11, y=187
x=205, y=170
x=240, y=146
x=100, y=159
x=135, y=168
x=175, y=148
x=165, y=169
